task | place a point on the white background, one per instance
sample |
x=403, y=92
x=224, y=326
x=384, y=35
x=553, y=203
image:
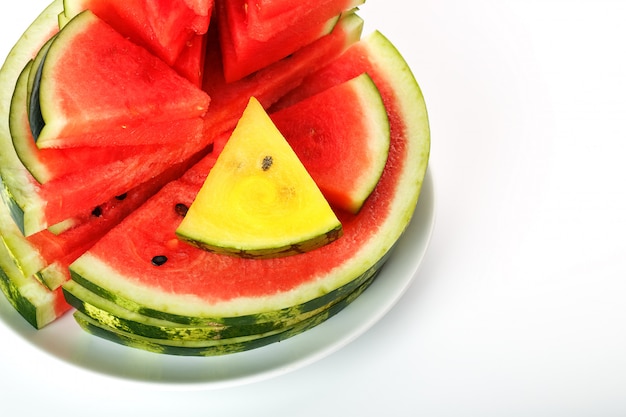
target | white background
x=519, y=306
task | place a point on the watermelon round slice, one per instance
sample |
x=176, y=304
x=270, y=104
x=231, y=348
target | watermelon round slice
x=94, y=80
x=117, y=318
x=219, y=346
x=353, y=130
x=141, y=265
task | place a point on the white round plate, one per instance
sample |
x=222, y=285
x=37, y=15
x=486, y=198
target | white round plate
x=66, y=342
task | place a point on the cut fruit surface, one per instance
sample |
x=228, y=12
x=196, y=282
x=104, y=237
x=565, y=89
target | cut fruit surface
x=258, y=200
x=243, y=55
x=39, y=206
x=228, y=100
x=48, y=164
x=265, y=20
x=341, y=135
x=162, y=26
x=94, y=80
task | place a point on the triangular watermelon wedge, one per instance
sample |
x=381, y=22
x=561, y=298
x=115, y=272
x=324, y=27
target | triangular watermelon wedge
x=164, y=27
x=44, y=205
x=334, y=131
x=94, y=80
x=243, y=55
x=264, y=25
x=49, y=164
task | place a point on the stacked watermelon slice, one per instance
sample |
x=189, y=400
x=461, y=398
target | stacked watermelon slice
x=103, y=156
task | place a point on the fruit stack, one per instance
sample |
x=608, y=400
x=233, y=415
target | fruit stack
x=125, y=196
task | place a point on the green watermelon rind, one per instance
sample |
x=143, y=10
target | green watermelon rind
x=99, y=277
x=216, y=348
x=17, y=182
x=109, y=314
x=34, y=302
x=257, y=318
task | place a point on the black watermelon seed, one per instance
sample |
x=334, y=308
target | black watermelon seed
x=181, y=209
x=267, y=163
x=97, y=212
x=159, y=260
x=121, y=196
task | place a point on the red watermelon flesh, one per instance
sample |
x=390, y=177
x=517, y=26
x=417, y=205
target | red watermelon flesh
x=356, y=60
x=269, y=8
x=49, y=164
x=95, y=80
x=334, y=131
x=88, y=227
x=162, y=26
x=228, y=100
x=193, y=278
x=260, y=26
x=244, y=55
x=190, y=62
x=65, y=197
x=72, y=194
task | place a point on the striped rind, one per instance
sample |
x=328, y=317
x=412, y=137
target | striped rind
x=219, y=347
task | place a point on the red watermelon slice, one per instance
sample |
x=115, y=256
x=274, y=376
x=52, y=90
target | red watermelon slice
x=164, y=27
x=353, y=130
x=243, y=55
x=34, y=253
x=49, y=164
x=93, y=80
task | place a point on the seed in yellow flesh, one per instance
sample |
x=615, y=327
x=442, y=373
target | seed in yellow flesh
x=258, y=201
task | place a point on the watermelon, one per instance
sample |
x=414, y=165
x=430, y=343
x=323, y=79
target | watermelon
x=355, y=132
x=259, y=200
x=215, y=346
x=190, y=62
x=163, y=27
x=28, y=201
x=228, y=100
x=243, y=55
x=264, y=24
x=48, y=164
x=191, y=286
x=34, y=254
x=139, y=284
x=117, y=318
x=36, y=303
x=127, y=88
x=37, y=206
